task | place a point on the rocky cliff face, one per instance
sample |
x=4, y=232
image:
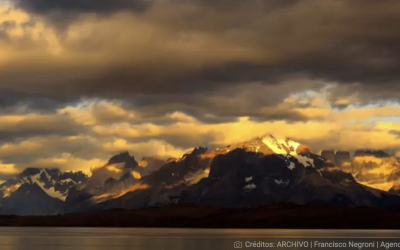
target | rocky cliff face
x=122, y=167
x=252, y=180
x=119, y=176
x=124, y=158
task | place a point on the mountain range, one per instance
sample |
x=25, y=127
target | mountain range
x=38, y=191
x=262, y=171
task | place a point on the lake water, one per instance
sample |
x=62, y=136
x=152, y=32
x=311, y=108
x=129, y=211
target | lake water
x=177, y=239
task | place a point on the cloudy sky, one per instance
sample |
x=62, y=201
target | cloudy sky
x=81, y=80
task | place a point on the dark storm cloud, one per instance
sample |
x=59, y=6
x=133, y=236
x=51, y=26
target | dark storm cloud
x=81, y=6
x=235, y=42
x=35, y=125
x=225, y=103
x=64, y=8
x=214, y=111
x=339, y=41
x=52, y=146
x=17, y=102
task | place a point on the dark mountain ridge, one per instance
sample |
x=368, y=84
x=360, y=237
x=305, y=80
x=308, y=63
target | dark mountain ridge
x=259, y=172
x=38, y=191
x=262, y=171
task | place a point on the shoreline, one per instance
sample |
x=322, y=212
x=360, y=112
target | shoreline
x=281, y=216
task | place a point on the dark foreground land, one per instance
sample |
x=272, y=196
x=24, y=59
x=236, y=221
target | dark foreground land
x=276, y=216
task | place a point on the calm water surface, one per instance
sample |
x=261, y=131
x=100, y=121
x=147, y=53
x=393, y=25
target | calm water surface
x=160, y=238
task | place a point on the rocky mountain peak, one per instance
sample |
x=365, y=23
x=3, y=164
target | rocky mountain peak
x=38, y=191
x=31, y=171
x=124, y=158
x=264, y=170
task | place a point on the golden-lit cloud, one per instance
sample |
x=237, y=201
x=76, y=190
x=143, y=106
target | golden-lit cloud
x=8, y=169
x=178, y=133
x=114, y=169
x=193, y=74
x=68, y=162
x=97, y=113
x=136, y=175
x=152, y=147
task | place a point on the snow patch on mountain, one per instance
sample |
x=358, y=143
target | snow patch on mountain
x=281, y=182
x=49, y=191
x=69, y=180
x=287, y=150
x=250, y=186
x=193, y=178
x=307, y=162
x=280, y=146
x=54, y=183
x=7, y=191
x=47, y=175
x=291, y=165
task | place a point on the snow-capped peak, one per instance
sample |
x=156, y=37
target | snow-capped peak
x=54, y=183
x=284, y=147
x=287, y=149
x=49, y=191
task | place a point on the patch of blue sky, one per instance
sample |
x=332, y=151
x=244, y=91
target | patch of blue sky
x=385, y=119
x=373, y=120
